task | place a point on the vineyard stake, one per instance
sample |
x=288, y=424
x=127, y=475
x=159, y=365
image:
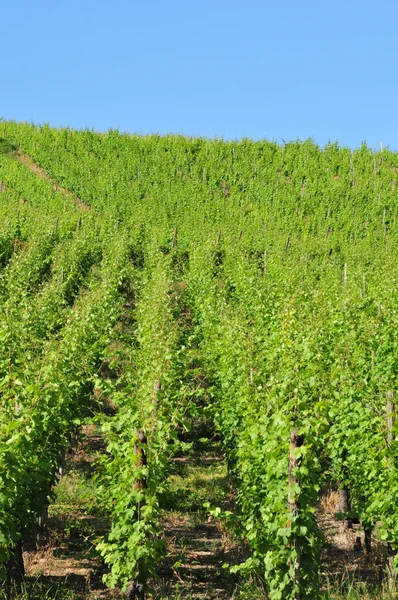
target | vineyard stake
x=174, y=242
x=155, y=400
x=15, y=566
x=368, y=540
x=139, y=452
x=42, y=525
x=345, y=506
x=296, y=440
x=390, y=417
x=136, y=589
x=391, y=572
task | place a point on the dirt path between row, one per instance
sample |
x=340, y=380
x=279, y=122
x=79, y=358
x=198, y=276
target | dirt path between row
x=66, y=561
x=26, y=160
x=198, y=546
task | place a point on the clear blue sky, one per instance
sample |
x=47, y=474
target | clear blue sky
x=251, y=68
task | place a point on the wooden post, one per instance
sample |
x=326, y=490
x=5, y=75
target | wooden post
x=344, y=507
x=391, y=572
x=15, y=568
x=140, y=484
x=368, y=540
x=42, y=525
x=287, y=243
x=79, y=224
x=352, y=169
x=155, y=400
x=218, y=238
x=390, y=417
x=135, y=589
x=296, y=440
x=390, y=438
x=61, y=468
x=174, y=242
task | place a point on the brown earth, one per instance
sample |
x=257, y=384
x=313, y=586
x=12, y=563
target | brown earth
x=26, y=160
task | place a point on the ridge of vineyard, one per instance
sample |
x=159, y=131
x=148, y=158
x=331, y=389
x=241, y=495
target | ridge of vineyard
x=276, y=264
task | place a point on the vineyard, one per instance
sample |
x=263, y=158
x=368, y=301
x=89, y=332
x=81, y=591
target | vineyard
x=151, y=284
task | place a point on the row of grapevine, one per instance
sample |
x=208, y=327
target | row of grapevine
x=60, y=296
x=292, y=355
x=44, y=400
x=152, y=396
x=288, y=258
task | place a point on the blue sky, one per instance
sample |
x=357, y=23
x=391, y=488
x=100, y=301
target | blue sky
x=259, y=69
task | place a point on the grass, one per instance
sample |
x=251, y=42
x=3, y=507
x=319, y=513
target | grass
x=38, y=590
x=349, y=588
x=67, y=565
x=74, y=492
x=191, y=485
x=198, y=476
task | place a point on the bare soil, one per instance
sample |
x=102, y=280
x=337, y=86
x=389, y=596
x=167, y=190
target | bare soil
x=66, y=556
x=26, y=160
x=198, y=546
x=345, y=559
